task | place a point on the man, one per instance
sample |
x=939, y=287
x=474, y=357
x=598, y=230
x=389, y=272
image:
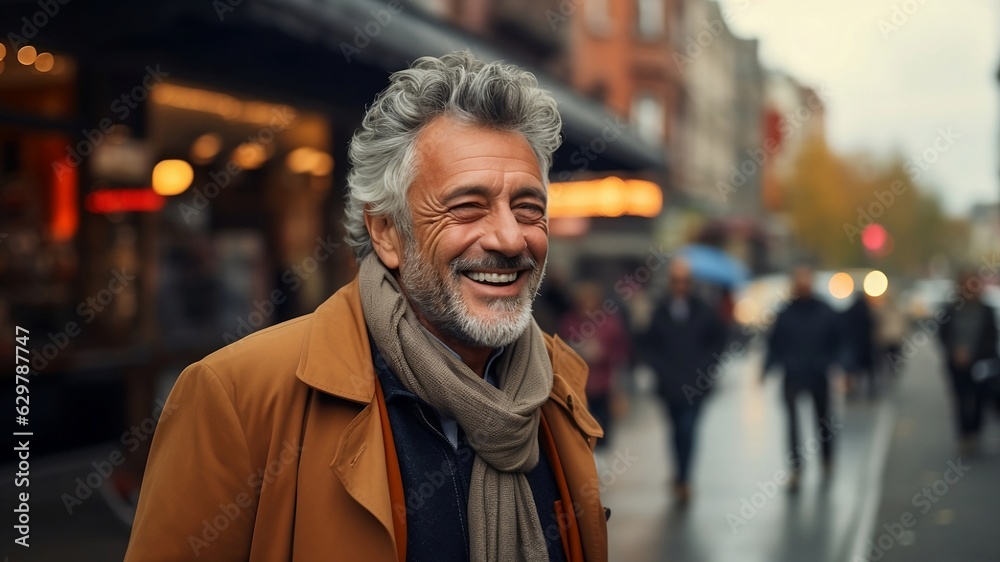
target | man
x=859, y=344
x=419, y=413
x=683, y=342
x=969, y=337
x=805, y=342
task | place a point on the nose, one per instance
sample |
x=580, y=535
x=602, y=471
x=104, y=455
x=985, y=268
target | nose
x=503, y=234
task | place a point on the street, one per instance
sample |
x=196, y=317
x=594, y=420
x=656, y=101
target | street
x=741, y=511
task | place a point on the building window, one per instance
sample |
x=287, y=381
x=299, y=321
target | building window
x=647, y=117
x=649, y=18
x=598, y=20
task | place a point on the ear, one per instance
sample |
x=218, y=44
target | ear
x=385, y=239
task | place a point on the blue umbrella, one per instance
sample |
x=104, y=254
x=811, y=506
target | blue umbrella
x=714, y=266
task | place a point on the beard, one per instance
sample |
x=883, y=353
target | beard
x=438, y=298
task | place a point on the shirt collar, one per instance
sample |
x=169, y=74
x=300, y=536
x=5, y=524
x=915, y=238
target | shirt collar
x=490, y=375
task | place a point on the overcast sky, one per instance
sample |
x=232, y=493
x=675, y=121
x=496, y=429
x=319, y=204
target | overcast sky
x=893, y=85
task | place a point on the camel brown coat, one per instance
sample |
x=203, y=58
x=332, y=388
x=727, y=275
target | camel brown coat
x=272, y=449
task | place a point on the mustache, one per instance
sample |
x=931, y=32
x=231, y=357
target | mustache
x=494, y=261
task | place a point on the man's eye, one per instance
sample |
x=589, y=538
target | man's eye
x=531, y=211
x=466, y=208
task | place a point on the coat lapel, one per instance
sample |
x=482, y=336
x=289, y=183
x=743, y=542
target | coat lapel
x=336, y=360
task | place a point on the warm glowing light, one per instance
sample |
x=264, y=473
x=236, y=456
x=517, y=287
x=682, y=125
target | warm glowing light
x=606, y=197
x=44, y=62
x=308, y=160
x=876, y=283
x=171, y=177
x=26, y=55
x=223, y=105
x=65, y=218
x=250, y=155
x=3, y=51
x=205, y=148
x=841, y=285
x=105, y=201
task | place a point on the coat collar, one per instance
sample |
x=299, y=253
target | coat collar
x=336, y=356
x=336, y=359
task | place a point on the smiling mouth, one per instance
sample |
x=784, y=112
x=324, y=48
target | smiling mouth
x=497, y=279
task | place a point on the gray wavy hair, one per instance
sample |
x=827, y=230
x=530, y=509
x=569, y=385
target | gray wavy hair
x=382, y=151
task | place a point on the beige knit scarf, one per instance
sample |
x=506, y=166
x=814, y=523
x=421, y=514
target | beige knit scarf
x=501, y=423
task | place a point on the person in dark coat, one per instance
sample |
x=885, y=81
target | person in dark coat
x=859, y=344
x=684, y=339
x=805, y=343
x=969, y=337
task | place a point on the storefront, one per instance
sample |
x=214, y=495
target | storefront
x=172, y=179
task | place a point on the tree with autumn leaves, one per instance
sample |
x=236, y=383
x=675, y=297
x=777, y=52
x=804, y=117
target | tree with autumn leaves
x=830, y=199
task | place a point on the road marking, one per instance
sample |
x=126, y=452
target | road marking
x=873, y=482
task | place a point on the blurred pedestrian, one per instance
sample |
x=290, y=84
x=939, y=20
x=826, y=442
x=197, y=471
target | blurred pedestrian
x=684, y=339
x=419, y=413
x=969, y=337
x=890, y=329
x=859, y=345
x=805, y=343
x=598, y=335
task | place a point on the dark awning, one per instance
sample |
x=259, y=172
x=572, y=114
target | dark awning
x=409, y=35
x=294, y=49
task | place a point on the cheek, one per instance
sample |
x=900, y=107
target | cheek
x=445, y=241
x=538, y=243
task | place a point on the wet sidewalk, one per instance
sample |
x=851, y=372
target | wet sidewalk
x=741, y=508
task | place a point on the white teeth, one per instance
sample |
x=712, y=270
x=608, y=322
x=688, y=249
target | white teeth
x=492, y=277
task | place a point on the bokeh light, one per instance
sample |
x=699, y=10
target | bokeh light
x=876, y=283
x=873, y=237
x=171, y=177
x=206, y=147
x=44, y=62
x=26, y=55
x=841, y=285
